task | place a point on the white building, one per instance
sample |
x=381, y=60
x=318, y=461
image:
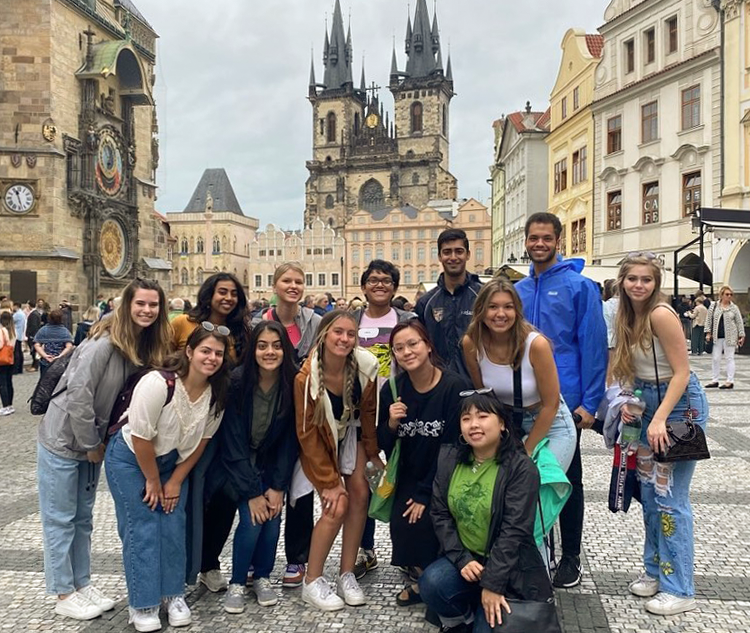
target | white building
x=657, y=127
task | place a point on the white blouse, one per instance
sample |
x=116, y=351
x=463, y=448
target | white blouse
x=179, y=425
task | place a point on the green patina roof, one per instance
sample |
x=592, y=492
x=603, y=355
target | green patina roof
x=105, y=58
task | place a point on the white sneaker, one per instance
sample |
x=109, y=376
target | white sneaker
x=10, y=410
x=178, y=612
x=645, y=586
x=666, y=604
x=319, y=594
x=5, y=411
x=98, y=598
x=144, y=620
x=78, y=607
x=349, y=590
x=214, y=580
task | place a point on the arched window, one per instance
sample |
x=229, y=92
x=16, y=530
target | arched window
x=199, y=246
x=329, y=201
x=416, y=117
x=184, y=246
x=199, y=278
x=244, y=278
x=445, y=120
x=415, y=178
x=371, y=196
x=331, y=128
x=184, y=278
x=217, y=246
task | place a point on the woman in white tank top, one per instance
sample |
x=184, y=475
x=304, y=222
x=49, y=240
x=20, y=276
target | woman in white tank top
x=497, y=340
x=650, y=341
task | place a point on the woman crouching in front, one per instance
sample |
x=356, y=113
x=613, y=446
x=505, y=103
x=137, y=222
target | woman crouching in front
x=483, y=509
x=172, y=415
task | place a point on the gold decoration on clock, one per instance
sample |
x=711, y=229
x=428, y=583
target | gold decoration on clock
x=112, y=247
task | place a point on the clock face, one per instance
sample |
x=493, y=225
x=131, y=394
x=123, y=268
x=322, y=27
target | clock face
x=372, y=120
x=109, y=166
x=19, y=198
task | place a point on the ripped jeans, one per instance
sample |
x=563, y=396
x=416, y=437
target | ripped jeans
x=665, y=496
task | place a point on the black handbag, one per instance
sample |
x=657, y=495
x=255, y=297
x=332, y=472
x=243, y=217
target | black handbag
x=688, y=441
x=530, y=615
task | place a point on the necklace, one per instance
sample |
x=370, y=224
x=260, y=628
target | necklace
x=477, y=464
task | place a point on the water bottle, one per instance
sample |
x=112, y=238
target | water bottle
x=630, y=434
x=373, y=475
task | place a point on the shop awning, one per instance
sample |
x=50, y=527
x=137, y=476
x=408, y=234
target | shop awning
x=731, y=224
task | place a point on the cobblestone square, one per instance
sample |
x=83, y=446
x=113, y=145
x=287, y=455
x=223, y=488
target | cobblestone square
x=612, y=544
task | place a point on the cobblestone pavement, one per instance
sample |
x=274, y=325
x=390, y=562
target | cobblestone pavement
x=612, y=543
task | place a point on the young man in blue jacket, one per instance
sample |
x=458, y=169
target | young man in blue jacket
x=566, y=307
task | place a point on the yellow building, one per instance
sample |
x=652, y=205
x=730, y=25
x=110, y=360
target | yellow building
x=570, y=142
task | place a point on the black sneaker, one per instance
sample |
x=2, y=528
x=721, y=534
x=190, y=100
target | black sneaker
x=461, y=628
x=568, y=572
x=366, y=561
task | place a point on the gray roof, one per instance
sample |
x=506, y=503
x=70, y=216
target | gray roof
x=225, y=201
x=128, y=4
x=423, y=43
x=337, y=54
x=408, y=210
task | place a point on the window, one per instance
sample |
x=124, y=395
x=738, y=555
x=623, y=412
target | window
x=262, y=252
x=416, y=117
x=379, y=235
x=672, y=35
x=368, y=236
x=479, y=235
x=576, y=98
x=420, y=276
x=199, y=248
x=244, y=278
x=691, y=194
x=445, y=120
x=407, y=234
x=629, y=54
x=691, y=107
x=434, y=274
x=355, y=236
x=199, y=276
x=407, y=253
x=379, y=253
x=651, y=203
x=649, y=45
x=355, y=278
x=479, y=255
x=394, y=254
x=258, y=281
x=322, y=280
x=564, y=241
x=355, y=255
x=472, y=218
x=331, y=127
x=368, y=255
x=329, y=201
x=433, y=253
x=308, y=279
x=564, y=107
x=217, y=246
x=614, y=134
x=649, y=122
x=579, y=165
x=335, y=279
x=394, y=234
x=407, y=277
x=578, y=236
x=420, y=253
x=434, y=233
x=561, y=175
x=184, y=246
x=184, y=277
x=614, y=210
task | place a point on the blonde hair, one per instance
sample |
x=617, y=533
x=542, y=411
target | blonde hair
x=634, y=329
x=722, y=290
x=351, y=367
x=479, y=334
x=145, y=348
x=285, y=268
x=92, y=314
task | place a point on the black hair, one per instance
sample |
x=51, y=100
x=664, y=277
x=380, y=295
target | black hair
x=249, y=373
x=235, y=319
x=488, y=403
x=399, y=302
x=543, y=217
x=451, y=235
x=384, y=267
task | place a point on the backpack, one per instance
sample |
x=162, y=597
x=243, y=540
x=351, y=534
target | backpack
x=118, y=419
x=45, y=388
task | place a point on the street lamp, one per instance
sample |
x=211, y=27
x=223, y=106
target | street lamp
x=512, y=259
x=525, y=259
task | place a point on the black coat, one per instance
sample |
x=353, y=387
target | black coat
x=514, y=567
x=232, y=468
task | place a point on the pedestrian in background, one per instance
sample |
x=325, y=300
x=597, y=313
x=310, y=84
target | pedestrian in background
x=697, y=334
x=148, y=463
x=71, y=440
x=90, y=317
x=33, y=325
x=8, y=344
x=19, y=322
x=176, y=308
x=52, y=341
x=321, y=304
x=724, y=326
x=67, y=315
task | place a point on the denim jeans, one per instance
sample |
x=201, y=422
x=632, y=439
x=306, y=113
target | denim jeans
x=561, y=435
x=153, y=543
x=67, y=491
x=253, y=545
x=665, y=496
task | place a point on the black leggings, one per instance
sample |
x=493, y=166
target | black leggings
x=6, y=385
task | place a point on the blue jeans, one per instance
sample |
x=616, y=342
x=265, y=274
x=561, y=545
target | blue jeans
x=562, y=434
x=67, y=491
x=665, y=496
x=253, y=545
x=455, y=600
x=153, y=543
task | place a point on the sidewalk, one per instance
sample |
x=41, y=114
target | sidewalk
x=612, y=544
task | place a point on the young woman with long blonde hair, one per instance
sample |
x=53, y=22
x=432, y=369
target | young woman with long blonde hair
x=650, y=341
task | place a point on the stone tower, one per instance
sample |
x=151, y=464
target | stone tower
x=363, y=158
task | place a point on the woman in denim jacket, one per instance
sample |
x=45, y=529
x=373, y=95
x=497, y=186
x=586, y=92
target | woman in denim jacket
x=650, y=355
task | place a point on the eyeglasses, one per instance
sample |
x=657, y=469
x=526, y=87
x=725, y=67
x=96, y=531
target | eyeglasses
x=410, y=345
x=471, y=392
x=219, y=329
x=372, y=283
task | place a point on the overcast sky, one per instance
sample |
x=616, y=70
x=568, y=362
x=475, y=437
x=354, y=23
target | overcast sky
x=232, y=80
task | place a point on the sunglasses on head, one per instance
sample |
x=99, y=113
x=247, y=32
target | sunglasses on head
x=644, y=254
x=219, y=329
x=471, y=392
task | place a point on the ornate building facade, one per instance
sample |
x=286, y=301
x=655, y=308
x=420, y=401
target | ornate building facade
x=363, y=158
x=211, y=235
x=78, y=150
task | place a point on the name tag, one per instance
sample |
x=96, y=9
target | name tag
x=368, y=332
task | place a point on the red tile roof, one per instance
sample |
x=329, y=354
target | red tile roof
x=540, y=121
x=595, y=44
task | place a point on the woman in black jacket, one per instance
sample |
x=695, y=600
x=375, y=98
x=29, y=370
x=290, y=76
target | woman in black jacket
x=483, y=509
x=255, y=458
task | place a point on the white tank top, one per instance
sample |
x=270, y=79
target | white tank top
x=643, y=362
x=500, y=377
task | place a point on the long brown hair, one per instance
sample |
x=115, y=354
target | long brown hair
x=479, y=334
x=351, y=367
x=148, y=347
x=632, y=329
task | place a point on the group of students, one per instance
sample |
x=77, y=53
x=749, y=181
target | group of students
x=253, y=419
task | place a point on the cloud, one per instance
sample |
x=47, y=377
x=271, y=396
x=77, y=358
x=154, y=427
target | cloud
x=232, y=84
